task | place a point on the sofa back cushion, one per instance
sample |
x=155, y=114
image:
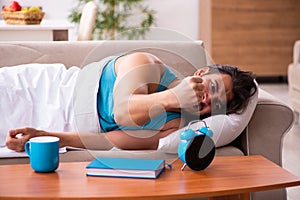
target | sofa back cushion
x=184, y=56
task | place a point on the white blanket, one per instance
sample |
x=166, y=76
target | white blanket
x=36, y=95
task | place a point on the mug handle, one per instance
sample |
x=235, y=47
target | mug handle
x=27, y=148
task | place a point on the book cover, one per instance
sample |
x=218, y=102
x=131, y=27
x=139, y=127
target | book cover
x=125, y=167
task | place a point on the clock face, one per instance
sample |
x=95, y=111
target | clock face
x=200, y=153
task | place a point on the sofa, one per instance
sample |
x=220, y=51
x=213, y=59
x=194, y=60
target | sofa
x=294, y=81
x=263, y=135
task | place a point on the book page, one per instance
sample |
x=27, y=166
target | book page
x=8, y=153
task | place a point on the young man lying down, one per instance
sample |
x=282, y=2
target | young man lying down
x=138, y=101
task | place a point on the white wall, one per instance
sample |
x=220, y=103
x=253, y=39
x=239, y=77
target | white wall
x=176, y=15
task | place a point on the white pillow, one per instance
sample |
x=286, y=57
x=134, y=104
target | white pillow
x=225, y=128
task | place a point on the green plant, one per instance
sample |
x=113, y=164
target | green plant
x=118, y=19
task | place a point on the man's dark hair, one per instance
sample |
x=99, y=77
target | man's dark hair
x=243, y=88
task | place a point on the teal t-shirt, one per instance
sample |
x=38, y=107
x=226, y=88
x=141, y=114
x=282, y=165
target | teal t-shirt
x=105, y=102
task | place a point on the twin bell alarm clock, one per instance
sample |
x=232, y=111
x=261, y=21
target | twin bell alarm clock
x=196, y=148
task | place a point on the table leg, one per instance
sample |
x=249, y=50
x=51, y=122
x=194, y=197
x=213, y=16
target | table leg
x=243, y=196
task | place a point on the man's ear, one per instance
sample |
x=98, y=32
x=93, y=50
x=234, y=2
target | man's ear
x=202, y=71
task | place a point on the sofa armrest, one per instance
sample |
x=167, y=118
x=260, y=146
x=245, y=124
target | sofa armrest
x=296, y=53
x=294, y=81
x=271, y=120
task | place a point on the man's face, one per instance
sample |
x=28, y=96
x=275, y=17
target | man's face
x=217, y=92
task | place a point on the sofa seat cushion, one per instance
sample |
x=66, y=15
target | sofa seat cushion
x=89, y=155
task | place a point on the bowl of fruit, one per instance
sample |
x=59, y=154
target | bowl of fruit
x=14, y=13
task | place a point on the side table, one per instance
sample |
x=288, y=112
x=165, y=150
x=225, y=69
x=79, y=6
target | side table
x=48, y=30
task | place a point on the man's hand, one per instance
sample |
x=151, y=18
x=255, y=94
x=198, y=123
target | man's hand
x=189, y=93
x=17, y=138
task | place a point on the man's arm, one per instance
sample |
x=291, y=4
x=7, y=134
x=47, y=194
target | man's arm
x=17, y=138
x=135, y=98
x=141, y=139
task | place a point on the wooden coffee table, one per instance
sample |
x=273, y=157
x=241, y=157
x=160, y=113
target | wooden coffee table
x=226, y=176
